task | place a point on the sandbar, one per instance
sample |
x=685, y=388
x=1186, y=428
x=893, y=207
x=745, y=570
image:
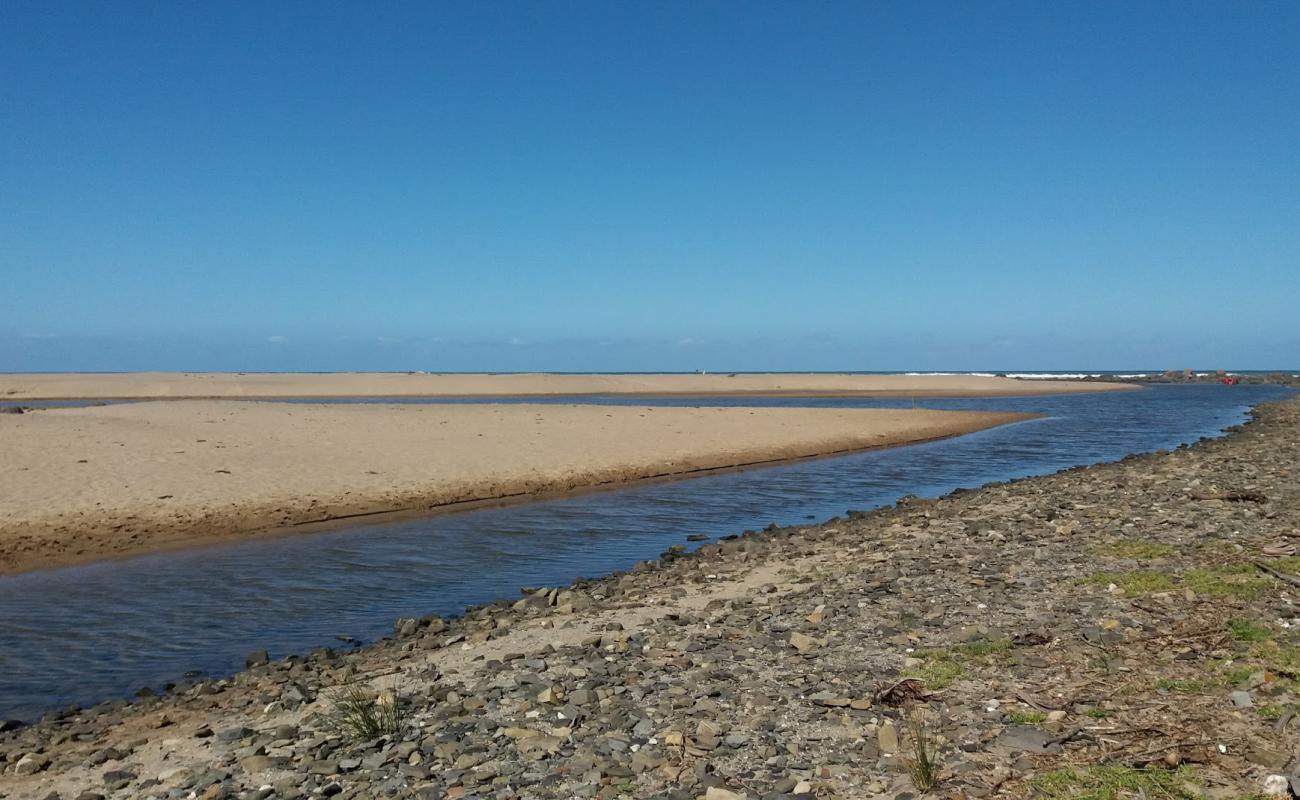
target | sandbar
x=82, y=484
x=161, y=385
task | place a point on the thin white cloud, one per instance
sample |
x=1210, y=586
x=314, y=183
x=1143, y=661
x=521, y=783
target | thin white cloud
x=278, y=339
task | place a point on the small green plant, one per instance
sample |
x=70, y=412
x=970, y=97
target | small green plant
x=1136, y=549
x=1098, y=712
x=361, y=714
x=1244, y=630
x=923, y=765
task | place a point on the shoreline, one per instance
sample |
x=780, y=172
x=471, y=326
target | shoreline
x=20, y=387
x=482, y=667
x=140, y=484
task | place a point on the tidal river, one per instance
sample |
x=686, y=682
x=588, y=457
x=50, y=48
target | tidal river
x=90, y=633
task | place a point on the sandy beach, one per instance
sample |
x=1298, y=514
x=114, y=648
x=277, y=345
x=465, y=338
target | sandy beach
x=171, y=385
x=88, y=483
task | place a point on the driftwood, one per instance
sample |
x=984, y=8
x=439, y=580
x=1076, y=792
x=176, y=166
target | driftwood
x=1231, y=497
x=1282, y=576
x=900, y=692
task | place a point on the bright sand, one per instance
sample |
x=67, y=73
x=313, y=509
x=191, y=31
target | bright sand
x=86, y=483
x=388, y=384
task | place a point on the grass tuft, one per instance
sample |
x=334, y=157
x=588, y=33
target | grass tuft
x=923, y=765
x=361, y=714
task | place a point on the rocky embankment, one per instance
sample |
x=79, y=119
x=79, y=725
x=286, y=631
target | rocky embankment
x=1126, y=630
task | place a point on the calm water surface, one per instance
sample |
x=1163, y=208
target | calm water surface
x=86, y=634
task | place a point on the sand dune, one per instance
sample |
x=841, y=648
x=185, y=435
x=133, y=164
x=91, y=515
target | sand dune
x=86, y=483
x=358, y=384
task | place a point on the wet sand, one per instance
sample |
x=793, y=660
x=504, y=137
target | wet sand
x=159, y=385
x=82, y=484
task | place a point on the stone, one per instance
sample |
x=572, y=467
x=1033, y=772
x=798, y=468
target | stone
x=259, y=658
x=1241, y=699
x=887, y=737
x=803, y=643
x=257, y=763
x=31, y=764
x=117, y=778
x=539, y=746
x=1018, y=739
x=1278, y=786
x=1268, y=758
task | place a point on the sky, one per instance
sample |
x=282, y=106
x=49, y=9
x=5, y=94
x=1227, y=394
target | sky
x=573, y=186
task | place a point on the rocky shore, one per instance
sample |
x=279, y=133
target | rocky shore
x=1123, y=630
x=1187, y=376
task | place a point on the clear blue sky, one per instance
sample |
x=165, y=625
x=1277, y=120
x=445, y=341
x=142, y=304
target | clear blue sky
x=603, y=186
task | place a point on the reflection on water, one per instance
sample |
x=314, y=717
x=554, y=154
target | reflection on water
x=84, y=634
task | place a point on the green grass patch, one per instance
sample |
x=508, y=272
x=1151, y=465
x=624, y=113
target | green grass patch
x=1274, y=711
x=1244, y=630
x=1232, y=580
x=1122, y=783
x=1239, y=580
x=938, y=670
x=994, y=647
x=1019, y=717
x=1098, y=713
x=1289, y=565
x=1279, y=658
x=1237, y=676
x=1180, y=686
x=1140, y=581
x=1137, y=549
x=1116, y=783
x=1218, y=547
x=941, y=666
